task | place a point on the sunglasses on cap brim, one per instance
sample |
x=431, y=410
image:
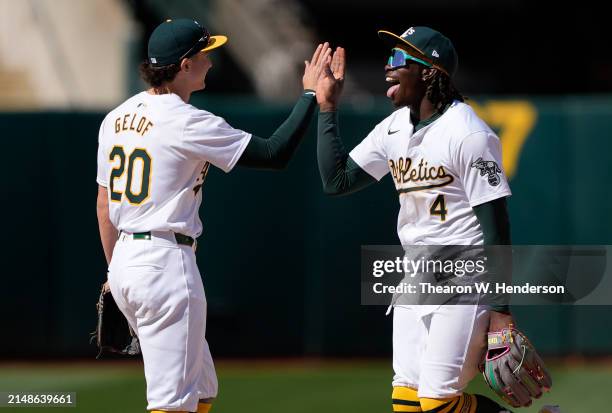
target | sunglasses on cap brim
x=200, y=44
x=400, y=58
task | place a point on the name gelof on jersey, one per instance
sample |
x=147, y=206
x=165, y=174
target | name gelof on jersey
x=426, y=176
x=128, y=123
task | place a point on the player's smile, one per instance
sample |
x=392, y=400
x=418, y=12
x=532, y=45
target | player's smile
x=394, y=81
x=405, y=85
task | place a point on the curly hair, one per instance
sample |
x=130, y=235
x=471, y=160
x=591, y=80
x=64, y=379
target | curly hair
x=157, y=76
x=441, y=91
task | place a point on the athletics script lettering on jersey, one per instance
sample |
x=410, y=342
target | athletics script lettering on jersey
x=420, y=177
x=128, y=122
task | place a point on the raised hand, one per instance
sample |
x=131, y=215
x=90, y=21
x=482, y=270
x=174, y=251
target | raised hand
x=331, y=81
x=316, y=66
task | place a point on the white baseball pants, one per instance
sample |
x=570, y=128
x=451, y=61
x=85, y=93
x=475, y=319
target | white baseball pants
x=157, y=285
x=438, y=353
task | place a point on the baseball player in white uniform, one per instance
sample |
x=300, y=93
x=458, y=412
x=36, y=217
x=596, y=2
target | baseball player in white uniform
x=155, y=150
x=446, y=166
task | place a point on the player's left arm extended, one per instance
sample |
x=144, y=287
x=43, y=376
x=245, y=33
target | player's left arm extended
x=276, y=151
x=108, y=232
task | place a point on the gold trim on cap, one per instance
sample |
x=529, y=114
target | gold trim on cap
x=214, y=42
x=421, y=54
x=396, y=37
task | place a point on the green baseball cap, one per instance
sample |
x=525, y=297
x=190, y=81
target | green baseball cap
x=427, y=44
x=176, y=39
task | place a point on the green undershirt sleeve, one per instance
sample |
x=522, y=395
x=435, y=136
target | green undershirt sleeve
x=495, y=224
x=494, y=221
x=339, y=172
x=276, y=151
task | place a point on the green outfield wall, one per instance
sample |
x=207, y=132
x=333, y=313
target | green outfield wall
x=280, y=260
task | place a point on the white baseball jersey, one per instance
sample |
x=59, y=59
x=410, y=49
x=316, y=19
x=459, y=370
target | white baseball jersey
x=440, y=172
x=153, y=155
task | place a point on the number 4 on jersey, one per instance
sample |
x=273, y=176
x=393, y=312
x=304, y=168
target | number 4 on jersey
x=439, y=208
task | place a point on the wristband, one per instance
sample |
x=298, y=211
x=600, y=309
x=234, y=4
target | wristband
x=501, y=308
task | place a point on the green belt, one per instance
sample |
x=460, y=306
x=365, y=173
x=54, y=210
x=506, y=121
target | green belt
x=180, y=238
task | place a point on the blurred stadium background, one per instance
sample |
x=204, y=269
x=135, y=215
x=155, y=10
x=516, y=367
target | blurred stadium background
x=285, y=320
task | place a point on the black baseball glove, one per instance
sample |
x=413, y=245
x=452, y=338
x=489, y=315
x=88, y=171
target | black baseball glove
x=113, y=333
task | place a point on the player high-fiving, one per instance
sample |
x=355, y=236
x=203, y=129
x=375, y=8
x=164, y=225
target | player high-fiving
x=155, y=150
x=446, y=167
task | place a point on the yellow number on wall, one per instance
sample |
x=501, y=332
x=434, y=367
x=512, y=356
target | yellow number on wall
x=515, y=121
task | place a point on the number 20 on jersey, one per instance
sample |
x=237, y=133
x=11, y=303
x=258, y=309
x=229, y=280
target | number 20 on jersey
x=137, y=164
